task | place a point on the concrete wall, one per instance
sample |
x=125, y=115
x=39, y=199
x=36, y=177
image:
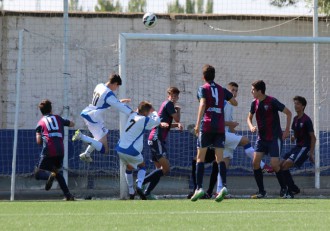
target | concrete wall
x=152, y=67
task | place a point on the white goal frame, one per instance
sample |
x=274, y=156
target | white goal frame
x=123, y=37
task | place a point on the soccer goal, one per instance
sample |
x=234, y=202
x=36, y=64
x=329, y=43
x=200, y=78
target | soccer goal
x=290, y=66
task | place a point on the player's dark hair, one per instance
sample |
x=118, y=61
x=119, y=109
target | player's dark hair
x=115, y=78
x=173, y=90
x=208, y=73
x=233, y=84
x=301, y=100
x=259, y=85
x=45, y=106
x=144, y=106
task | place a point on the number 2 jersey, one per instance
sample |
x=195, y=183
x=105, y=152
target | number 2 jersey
x=51, y=128
x=103, y=99
x=131, y=139
x=213, y=117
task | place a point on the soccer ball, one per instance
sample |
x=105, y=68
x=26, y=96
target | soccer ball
x=149, y=20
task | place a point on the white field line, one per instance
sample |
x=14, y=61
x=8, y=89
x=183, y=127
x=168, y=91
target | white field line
x=163, y=213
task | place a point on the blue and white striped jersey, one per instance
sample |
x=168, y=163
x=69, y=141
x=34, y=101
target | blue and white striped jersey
x=103, y=99
x=131, y=139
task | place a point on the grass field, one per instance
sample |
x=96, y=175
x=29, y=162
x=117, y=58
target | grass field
x=233, y=214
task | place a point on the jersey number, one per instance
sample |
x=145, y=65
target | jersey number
x=215, y=95
x=96, y=97
x=132, y=123
x=51, y=123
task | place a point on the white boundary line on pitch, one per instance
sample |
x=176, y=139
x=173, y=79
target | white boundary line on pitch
x=161, y=213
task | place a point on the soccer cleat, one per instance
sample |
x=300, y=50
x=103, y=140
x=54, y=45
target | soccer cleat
x=206, y=196
x=283, y=192
x=267, y=169
x=69, y=197
x=76, y=136
x=296, y=190
x=221, y=195
x=151, y=197
x=198, y=194
x=288, y=195
x=189, y=196
x=131, y=196
x=140, y=193
x=85, y=157
x=50, y=181
x=259, y=195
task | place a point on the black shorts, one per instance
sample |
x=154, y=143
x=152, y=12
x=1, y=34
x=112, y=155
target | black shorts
x=208, y=139
x=50, y=163
x=298, y=155
x=273, y=148
x=157, y=149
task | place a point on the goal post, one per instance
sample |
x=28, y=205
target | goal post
x=126, y=38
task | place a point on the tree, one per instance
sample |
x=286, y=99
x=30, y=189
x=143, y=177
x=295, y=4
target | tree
x=137, y=5
x=175, y=7
x=200, y=6
x=324, y=5
x=209, y=7
x=190, y=6
x=108, y=5
x=74, y=5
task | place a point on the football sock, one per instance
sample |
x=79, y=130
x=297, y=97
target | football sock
x=288, y=180
x=61, y=181
x=129, y=181
x=223, y=173
x=193, y=173
x=219, y=184
x=155, y=177
x=89, y=150
x=140, y=177
x=95, y=143
x=259, y=179
x=213, y=177
x=199, y=174
x=280, y=179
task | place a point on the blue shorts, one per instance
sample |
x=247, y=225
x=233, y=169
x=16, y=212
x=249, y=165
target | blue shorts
x=273, y=148
x=157, y=149
x=216, y=140
x=298, y=155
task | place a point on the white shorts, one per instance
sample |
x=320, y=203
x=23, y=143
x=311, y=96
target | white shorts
x=98, y=130
x=231, y=143
x=134, y=161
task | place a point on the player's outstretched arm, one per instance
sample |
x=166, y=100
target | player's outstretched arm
x=113, y=101
x=288, y=114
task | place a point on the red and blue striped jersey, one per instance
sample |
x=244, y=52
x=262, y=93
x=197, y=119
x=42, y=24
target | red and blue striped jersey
x=268, y=120
x=51, y=128
x=302, y=127
x=213, y=118
x=165, y=114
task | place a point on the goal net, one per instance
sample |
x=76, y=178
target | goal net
x=149, y=64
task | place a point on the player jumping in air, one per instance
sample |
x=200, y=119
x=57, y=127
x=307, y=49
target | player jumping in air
x=50, y=134
x=302, y=127
x=168, y=112
x=93, y=115
x=270, y=135
x=210, y=126
x=130, y=145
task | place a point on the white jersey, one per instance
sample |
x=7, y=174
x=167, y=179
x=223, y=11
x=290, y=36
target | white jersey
x=131, y=139
x=228, y=113
x=103, y=99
